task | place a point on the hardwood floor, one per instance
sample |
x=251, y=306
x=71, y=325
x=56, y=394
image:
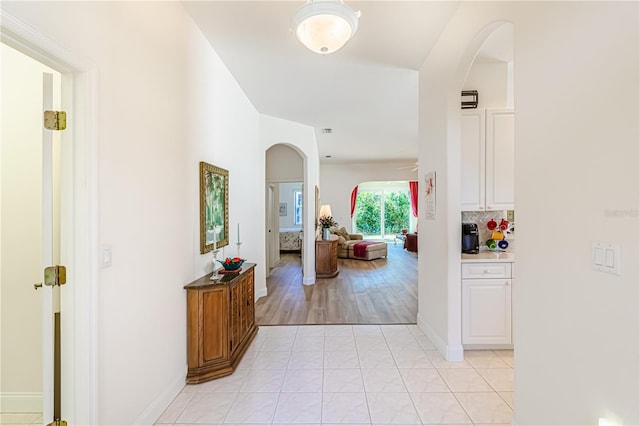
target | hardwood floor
x=381, y=291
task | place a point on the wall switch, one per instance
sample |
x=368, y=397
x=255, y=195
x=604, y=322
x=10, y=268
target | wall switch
x=105, y=256
x=609, y=258
x=598, y=256
x=606, y=257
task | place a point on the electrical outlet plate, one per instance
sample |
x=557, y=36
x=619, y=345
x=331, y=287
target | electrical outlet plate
x=605, y=257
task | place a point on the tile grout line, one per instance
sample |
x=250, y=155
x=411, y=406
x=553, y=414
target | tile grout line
x=364, y=389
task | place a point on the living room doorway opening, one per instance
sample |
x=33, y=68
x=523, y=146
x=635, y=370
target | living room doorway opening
x=383, y=210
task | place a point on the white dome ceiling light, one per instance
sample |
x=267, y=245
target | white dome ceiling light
x=324, y=26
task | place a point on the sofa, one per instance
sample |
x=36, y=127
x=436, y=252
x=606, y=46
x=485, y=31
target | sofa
x=346, y=242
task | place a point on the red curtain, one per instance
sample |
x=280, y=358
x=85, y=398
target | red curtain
x=413, y=190
x=354, y=197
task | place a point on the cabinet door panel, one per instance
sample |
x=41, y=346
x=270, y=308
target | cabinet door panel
x=472, y=149
x=500, y=160
x=214, y=313
x=234, y=316
x=250, y=302
x=486, y=311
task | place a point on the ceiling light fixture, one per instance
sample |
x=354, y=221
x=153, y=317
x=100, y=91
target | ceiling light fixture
x=324, y=26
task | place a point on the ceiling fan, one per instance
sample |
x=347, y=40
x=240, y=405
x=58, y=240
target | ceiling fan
x=413, y=167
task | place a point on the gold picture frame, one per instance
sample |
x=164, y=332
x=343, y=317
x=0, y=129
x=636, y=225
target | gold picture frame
x=214, y=207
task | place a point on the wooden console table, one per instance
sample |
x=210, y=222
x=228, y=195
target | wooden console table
x=221, y=323
x=327, y=258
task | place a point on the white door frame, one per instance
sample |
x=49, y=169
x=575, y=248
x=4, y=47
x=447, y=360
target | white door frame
x=269, y=229
x=79, y=220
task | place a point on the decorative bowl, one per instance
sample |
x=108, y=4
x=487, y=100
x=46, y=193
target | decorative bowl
x=231, y=263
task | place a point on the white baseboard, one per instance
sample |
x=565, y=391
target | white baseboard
x=488, y=347
x=260, y=293
x=455, y=353
x=309, y=280
x=157, y=407
x=21, y=402
x=449, y=352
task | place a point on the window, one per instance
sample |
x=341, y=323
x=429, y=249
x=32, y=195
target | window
x=382, y=211
x=297, y=207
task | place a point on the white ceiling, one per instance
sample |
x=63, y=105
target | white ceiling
x=367, y=92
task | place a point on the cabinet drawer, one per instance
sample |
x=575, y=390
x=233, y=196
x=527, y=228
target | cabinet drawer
x=486, y=270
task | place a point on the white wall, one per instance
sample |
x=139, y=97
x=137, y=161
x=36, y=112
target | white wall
x=287, y=191
x=302, y=138
x=21, y=224
x=490, y=79
x=338, y=180
x=576, y=93
x=284, y=164
x=166, y=102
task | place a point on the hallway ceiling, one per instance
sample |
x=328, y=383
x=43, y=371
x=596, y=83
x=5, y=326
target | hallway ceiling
x=367, y=92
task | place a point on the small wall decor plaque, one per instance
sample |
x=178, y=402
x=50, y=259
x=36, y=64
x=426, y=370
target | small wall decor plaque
x=430, y=195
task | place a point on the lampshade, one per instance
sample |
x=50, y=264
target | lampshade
x=325, y=210
x=324, y=26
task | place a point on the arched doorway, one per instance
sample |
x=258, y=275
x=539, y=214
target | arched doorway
x=284, y=203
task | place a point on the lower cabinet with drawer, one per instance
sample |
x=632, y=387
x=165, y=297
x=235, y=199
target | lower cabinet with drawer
x=220, y=324
x=486, y=305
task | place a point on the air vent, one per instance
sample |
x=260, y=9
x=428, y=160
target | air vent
x=327, y=130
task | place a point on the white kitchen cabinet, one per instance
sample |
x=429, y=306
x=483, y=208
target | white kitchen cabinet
x=472, y=137
x=500, y=159
x=487, y=159
x=486, y=304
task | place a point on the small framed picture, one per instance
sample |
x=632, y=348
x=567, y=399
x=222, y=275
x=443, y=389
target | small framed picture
x=283, y=209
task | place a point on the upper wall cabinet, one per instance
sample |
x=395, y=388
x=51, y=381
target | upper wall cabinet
x=487, y=163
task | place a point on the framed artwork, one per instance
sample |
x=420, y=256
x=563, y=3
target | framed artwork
x=214, y=207
x=283, y=209
x=430, y=195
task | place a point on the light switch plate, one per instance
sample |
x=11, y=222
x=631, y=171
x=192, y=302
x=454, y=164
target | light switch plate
x=105, y=256
x=605, y=257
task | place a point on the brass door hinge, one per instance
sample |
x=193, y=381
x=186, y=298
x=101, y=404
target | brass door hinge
x=55, y=120
x=55, y=275
x=58, y=423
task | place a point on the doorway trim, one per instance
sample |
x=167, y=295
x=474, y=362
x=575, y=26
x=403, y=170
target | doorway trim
x=80, y=223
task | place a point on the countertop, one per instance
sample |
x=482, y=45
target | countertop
x=223, y=279
x=488, y=256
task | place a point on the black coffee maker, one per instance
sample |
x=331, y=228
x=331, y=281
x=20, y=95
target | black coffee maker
x=470, y=238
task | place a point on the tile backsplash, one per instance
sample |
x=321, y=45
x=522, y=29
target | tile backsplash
x=481, y=218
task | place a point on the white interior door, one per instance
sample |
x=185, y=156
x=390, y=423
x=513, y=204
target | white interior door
x=50, y=251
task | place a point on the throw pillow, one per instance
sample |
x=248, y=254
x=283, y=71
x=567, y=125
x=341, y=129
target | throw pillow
x=343, y=233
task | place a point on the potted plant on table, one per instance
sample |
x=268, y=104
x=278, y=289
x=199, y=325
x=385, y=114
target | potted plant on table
x=326, y=222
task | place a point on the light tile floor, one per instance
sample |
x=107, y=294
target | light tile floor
x=343, y=374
